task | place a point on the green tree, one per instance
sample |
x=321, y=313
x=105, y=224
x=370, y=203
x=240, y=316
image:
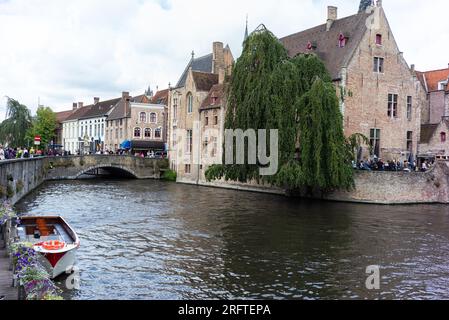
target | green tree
x=268, y=90
x=18, y=121
x=44, y=125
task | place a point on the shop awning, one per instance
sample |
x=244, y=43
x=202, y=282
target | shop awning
x=147, y=145
x=126, y=144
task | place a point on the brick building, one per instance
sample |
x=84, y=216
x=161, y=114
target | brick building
x=380, y=95
x=435, y=114
x=186, y=103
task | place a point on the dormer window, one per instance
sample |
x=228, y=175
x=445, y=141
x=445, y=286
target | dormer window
x=311, y=46
x=442, y=85
x=214, y=100
x=342, y=40
x=443, y=137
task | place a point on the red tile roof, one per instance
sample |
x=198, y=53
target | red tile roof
x=161, y=97
x=431, y=79
x=215, y=98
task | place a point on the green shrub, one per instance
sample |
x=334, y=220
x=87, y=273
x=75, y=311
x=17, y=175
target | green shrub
x=9, y=191
x=169, y=175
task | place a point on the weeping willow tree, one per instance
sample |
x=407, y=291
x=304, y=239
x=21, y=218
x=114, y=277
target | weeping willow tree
x=268, y=90
x=18, y=121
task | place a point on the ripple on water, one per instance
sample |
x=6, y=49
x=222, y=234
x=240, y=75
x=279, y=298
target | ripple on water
x=153, y=240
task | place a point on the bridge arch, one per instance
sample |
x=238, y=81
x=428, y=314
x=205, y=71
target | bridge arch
x=111, y=168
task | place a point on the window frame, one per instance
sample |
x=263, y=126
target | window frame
x=392, y=111
x=139, y=130
x=378, y=65
x=409, y=108
x=143, y=117
x=375, y=136
x=189, y=103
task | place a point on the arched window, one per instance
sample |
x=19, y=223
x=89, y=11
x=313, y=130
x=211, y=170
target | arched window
x=143, y=117
x=153, y=117
x=147, y=133
x=137, y=132
x=443, y=137
x=158, y=133
x=189, y=103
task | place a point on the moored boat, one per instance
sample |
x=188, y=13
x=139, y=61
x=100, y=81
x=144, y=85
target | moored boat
x=54, y=239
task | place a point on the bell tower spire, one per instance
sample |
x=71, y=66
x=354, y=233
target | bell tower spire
x=246, y=30
x=364, y=4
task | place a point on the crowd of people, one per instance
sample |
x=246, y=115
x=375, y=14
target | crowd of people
x=18, y=153
x=393, y=165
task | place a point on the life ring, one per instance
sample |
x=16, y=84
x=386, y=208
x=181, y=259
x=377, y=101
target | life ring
x=53, y=245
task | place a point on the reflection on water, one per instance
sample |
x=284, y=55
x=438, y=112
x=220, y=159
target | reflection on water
x=155, y=240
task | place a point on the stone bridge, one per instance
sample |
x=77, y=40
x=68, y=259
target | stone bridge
x=71, y=168
x=19, y=177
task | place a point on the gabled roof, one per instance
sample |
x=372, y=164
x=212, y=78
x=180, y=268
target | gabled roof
x=100, y=109
x=78, y=114
x=204, y=81
x=431, y=79
x=62, y=116
x=202, y=64
x=161, y=97
x=327, y=42
x=118, y=112
x=214, y=99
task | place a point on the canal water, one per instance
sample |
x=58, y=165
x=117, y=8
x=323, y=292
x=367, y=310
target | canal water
x=157, y=240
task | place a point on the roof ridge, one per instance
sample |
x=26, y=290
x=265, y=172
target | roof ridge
x=433, y=70
x=321, y=25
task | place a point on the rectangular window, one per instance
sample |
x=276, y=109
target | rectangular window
x=375, y=141
x=392, y=106
x=409, y=108
x=379, y=39
x=378, y=65
x=121, y=133
x=207, y=121
x=116, y=133
x=189, y=141
x=410, y=141
x=188, y=168
x=175, y=109
x=216, y=120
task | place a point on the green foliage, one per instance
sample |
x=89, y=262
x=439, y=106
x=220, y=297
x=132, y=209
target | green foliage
x=9, y=191
x=354, y=143
x=268, y=90
x=169, y=175
x=18, y=121
x=43, y=125
x=323, y=151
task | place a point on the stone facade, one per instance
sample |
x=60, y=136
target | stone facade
x=142, y=124
x=368, y=93
x=186, y=121
x=381, y=97
x=435, y=125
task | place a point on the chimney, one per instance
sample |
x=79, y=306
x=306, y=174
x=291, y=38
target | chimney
x=332, y=15
x=379, y=3
x=218, y=57
x=412, y=67
x=75, y=106
x=96, y=100
x=80, y=105
x=125, y=95
x=221, y=76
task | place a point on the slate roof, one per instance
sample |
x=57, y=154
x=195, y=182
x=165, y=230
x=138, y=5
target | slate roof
x=78, y=114
x=427, y=132
x=100, y=109
x=62, y=116
x=118, y=112
x=430, y=79
x=204, y=81
x=327, y=42
x=214, y=99
x=201, y=64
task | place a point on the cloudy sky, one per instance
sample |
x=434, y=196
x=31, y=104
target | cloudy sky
x=62, y=51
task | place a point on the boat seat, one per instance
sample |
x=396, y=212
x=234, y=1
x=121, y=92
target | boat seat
x=42, y=227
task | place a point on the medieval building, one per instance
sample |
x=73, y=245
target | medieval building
x=381, y=97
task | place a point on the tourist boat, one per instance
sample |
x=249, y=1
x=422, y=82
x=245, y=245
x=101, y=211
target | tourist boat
x=53, y=239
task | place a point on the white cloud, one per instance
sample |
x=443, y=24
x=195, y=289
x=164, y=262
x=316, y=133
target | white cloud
x=73, y=50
